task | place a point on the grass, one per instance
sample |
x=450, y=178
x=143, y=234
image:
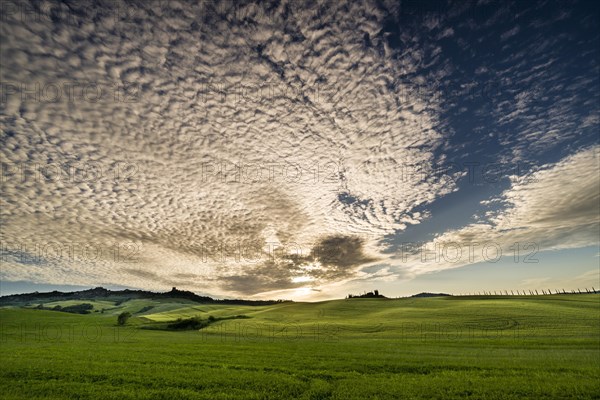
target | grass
x=545, y=347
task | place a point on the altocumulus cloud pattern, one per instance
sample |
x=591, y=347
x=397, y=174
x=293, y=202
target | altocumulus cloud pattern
x=284, y=148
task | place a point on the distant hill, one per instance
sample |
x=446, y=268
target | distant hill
x=124, y=295
x=369, y=295
x=426, y=294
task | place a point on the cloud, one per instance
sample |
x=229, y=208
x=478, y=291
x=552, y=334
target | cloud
x=510, y=33
x=244, y=149
x=167, y=136
x=556, y=207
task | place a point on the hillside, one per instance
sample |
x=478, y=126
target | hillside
x=100, y=293
x=454, y=347
x=356, y=317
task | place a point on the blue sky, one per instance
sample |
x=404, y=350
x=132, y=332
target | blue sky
x=288, y=151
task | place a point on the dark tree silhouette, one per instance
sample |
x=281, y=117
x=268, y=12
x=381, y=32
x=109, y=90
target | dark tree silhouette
x=123, y=317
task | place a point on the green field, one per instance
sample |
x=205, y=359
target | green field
x=537, y=347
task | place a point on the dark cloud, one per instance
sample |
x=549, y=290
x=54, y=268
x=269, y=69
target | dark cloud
x=341, y=252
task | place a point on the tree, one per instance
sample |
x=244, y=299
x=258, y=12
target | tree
x=123, y=317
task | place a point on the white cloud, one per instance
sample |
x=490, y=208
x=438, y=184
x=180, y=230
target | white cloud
x=166, y=111
x=182, y=97
x=556, y=207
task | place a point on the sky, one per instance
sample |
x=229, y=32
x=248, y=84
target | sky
x=300, y=150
